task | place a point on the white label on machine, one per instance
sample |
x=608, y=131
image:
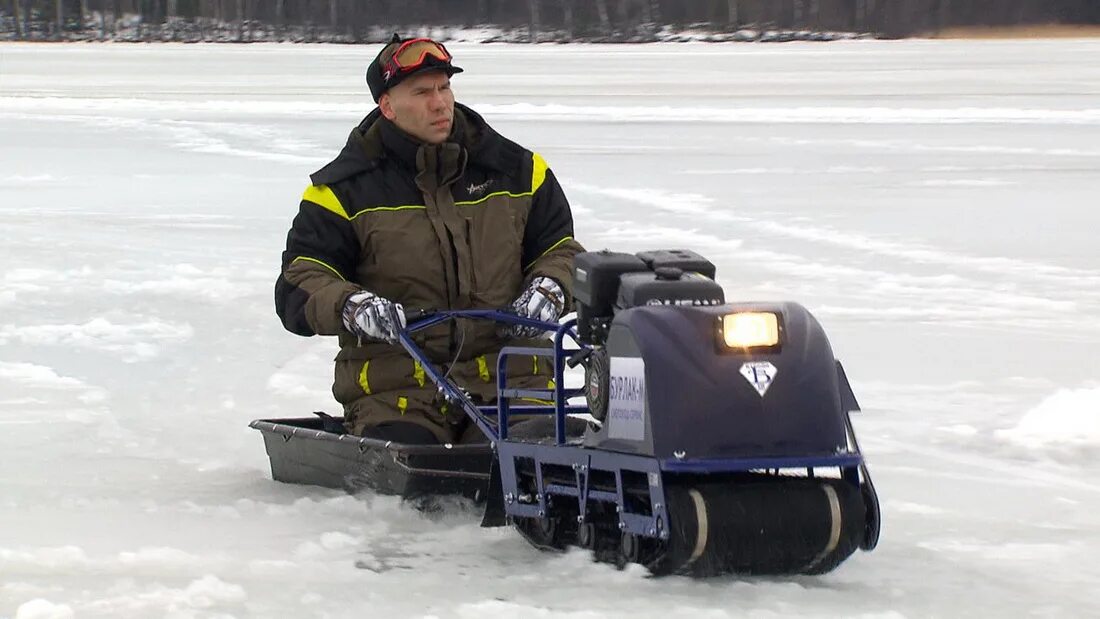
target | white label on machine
x=626, y=399
x=760, y=375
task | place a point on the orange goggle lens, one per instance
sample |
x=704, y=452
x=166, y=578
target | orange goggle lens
x=412, y=53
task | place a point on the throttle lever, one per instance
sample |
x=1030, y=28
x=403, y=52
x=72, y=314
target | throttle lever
x=579, y=357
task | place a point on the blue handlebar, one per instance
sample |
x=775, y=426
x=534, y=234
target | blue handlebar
x=419, y=320
x=422, y=319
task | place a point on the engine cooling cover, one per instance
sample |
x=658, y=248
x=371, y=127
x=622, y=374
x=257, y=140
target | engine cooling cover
x=596, y=374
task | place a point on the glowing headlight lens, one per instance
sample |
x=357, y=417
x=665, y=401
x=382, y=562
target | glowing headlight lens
x=748, y=329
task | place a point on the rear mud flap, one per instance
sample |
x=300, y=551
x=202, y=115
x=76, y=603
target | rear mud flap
x=494, y=499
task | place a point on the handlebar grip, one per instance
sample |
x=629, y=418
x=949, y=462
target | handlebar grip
x=579, y=358
x=412, y=315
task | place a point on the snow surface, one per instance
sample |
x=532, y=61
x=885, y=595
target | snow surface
x=932, y=202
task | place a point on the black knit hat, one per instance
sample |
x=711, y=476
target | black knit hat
x=376, y=79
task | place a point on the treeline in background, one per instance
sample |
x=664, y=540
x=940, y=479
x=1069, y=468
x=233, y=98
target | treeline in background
x=535, y=20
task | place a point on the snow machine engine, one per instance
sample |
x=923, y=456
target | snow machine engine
x=607, y=282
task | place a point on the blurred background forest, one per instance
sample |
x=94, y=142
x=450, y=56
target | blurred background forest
x=355, y=21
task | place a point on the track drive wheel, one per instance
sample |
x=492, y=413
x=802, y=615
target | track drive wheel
x=553, y=532
x=602, y=541
x=637, y=549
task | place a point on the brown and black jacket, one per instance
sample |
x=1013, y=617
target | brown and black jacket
x=461, y=225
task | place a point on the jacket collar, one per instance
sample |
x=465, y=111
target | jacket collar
x=483, y=142
x=377, y=139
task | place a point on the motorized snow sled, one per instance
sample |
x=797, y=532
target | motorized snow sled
x=718, y=437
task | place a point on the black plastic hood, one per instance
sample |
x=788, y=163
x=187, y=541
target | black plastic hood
x=700, y=399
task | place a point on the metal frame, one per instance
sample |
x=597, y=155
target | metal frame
x=583, y=461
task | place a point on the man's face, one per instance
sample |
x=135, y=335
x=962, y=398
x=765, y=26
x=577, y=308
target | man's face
x=422, y=106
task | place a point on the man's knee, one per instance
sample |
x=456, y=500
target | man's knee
x=401, y=432
x=408, y=418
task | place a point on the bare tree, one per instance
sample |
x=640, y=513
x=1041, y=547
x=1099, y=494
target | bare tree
x=141, y=21
x=113, y=24
x=605, y=21
x=805, y=13
x=242, y=22
x=567, y=17
x=734, y=18
x=59, y=5
x=28, y=12
x=863, y=15
x=351, y=20
x=333, y=13
x=943, y=15
x=20, y=32
x=534, y=24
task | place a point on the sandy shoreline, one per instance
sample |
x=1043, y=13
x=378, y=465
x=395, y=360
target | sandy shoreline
x=1047, y=31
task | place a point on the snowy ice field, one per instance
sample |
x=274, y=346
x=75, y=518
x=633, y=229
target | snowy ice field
x=933, y=203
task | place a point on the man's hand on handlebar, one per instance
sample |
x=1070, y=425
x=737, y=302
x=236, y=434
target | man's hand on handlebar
x=372, y=317
x=542, y=300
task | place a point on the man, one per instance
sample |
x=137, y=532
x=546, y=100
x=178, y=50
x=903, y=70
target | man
x=426, y=207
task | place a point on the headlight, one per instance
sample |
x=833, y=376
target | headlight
x=750, y=329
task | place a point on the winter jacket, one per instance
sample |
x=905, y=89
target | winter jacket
x=460, y=225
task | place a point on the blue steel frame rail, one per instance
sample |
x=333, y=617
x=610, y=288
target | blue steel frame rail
x=558, y=396
x=651, y=522
x=582, y=462
x=482, y=415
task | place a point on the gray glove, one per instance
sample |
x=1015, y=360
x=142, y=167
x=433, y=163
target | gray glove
x=542, y=300
x=372, y=317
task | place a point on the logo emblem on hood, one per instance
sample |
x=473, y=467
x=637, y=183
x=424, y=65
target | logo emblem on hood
x=760, y=375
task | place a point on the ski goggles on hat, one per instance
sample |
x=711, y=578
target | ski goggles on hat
x=414, y=54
